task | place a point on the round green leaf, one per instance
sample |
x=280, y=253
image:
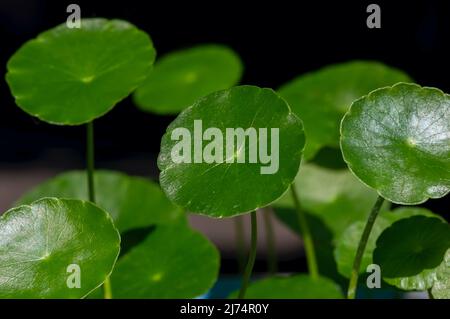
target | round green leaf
x=173, y=262
x=133, y=202
x=397, y=141
x=343, y=201
x=223, y=186
x=347, y=243
x=322, y=97
x=180, y=78
x=411, y=251
x=441, y=287
x=295, y=287
x=43, y=244
x=72, y=76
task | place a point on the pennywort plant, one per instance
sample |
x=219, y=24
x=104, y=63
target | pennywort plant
x=396, y=140
x=43, y=241
x=70, y=77
x=329, y=168
x=180, y=78
x=222, y=177
x=155, y=236
x=338, y=235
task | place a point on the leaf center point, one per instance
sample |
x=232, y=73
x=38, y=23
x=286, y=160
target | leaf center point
x=190, y=77
x=156, y=277
x=87, y=79
x=411, y=142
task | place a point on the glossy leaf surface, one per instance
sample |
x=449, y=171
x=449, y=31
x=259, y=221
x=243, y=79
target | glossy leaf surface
x=44, y=246
x=397, y=141
x=441, y=286
x=225, y=187
x=70, y=76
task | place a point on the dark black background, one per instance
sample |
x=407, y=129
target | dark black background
x=277, y=41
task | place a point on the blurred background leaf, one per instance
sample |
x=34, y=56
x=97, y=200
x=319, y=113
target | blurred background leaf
x=180, y=78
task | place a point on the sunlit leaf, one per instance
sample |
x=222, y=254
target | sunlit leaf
x=44, y=244
x=71, y=76
x=441, y=286
x=397, y=141
x=224, y=187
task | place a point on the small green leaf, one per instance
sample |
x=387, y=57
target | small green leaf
x=335, y=196
x=72, y=76
x=322, y=97
x=347, y=243
x=42, y=244
x=224, y=187
x=441, y=287
x=397, y=141
x=294, y=287
x=411, y=251
x=133, y=202
x=173, y=262
x=180, y=78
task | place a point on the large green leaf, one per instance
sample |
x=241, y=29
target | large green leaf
x=322, y=97
x=295, y=287
x=335, y=196
x=72, y=76
x=224, y=187
x=411, y=251
x=173, y=262
x=43, y=244
x=180, y=78
x=133, y=202
x=441, y=286
x=347, y=243
x=397, y=141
